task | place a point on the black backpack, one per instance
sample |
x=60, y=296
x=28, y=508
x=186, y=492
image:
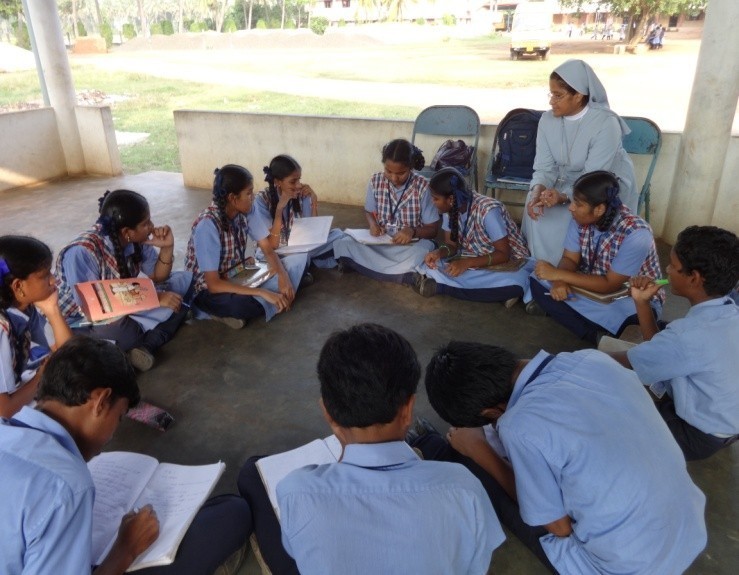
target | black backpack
x=515, y=142
x=453, y=154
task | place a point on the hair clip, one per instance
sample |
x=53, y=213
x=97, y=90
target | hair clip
x=106, y=224
x=101, y=200
x=4, y=269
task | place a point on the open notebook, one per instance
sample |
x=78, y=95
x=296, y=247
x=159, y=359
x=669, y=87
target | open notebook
x=103, y=300
x=125, y=481
x=307, y=234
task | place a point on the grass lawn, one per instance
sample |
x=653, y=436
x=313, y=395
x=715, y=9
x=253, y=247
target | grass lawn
x=148, y=103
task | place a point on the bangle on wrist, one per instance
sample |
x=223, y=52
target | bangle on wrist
x=490, y=259
x=413, y=234
x=169, y=263
x=445, y=247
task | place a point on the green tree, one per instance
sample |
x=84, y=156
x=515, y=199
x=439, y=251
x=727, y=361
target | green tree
x=639, y=12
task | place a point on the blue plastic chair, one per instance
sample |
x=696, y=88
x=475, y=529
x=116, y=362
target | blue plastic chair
x=450, y=122
x=645, y=139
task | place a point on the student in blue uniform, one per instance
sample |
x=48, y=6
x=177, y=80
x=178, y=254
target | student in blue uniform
x=46, y=512
x=692, y=365
x=605, y=245
x=28, y=304
x=218, y=243
x=582, y=455
x=287, y=198
x=124, y=243
x=397, y=203
x=380, y=509
x=478, y=232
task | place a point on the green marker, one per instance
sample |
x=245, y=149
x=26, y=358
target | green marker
x=662, y=282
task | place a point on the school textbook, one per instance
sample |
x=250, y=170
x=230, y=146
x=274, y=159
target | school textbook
x=273, y=468
x=307, y=234
x=249, y=274
x=602, y=297
x=103, y=300
x=125, y=481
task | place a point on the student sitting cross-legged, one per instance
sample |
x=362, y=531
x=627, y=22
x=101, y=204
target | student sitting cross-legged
x=46, y=508
x=583, y=457
x=694, y=361
x=380, y=509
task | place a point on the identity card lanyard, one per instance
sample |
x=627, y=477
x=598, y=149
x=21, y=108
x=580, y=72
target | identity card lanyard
x=400, y=200
x=593, y=255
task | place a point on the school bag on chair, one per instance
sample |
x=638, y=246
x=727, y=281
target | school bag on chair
x=453, y=154
x=515, y=140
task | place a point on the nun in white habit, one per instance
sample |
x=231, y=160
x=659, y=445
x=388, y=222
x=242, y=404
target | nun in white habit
x=580, y=134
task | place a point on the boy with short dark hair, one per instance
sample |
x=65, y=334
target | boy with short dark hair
x=46, y=509
x=694, y=360
x=582, y=452
x=380, y=509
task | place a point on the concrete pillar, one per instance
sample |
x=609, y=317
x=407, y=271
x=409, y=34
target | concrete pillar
x=52, y=56
x=711, y=112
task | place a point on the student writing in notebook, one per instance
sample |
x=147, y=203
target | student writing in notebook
x=605, y=245
x=380, y=509
x=582, y=457
x=46, y=509
x=398, y=204
x=28, y=305
x=692, y=365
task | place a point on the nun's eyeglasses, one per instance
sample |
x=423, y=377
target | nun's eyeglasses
x=556, y=97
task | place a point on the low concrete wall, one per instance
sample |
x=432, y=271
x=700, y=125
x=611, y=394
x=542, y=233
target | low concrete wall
x=338, y=155
x=31, y=150
x=99, y=145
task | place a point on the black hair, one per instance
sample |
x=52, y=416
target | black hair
x=567, y=88
x=448, y=182
x=367, y=373
x=20, y=256
x=463, y=378
x=712, y=252
x=23, y=255
x=280, y=168
x=84, y=364
x=230, y=179
x=122, y=209
x=403, y=152
x=600, y=187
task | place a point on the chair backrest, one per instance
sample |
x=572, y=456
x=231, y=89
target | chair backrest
x=645, y=139
x=450, y=121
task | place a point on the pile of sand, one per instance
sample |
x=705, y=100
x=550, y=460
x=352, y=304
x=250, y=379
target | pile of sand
x=14, y=59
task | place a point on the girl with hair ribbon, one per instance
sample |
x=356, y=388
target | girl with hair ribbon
x=397, y=202
x=218, y=244
x=479, y=233
x=580, y=134
x=605, y=245
x=28, y=304
x=124, y=243
x=285, y=199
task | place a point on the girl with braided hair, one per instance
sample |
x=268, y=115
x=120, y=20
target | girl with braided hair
x=397, y=203
x=124, y=243
x=28, y=304
x=287, y=198
x=605, y=245
x=479, y=232
x=218, y=244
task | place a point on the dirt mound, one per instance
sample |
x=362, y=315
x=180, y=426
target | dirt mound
x=252, y=39
x=15, y=59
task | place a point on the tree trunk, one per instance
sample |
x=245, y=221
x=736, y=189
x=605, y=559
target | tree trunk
x=181, y=24
x=99, y=16
x=74, y=18
x=142, y=18
x=635, y=25
x=251, y=6
x=282, y=23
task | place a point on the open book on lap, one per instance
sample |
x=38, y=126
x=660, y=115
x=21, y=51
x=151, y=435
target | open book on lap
x=602, y=297
x=249, y=274
x=365, y=237
x=273, y=468
x=126, y=481
x=307, y=234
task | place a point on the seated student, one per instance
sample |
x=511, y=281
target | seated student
x=46, y=508
x=694, y=360
x=479, y=230
x=605, y=245
x=122, y=245
x=583, y=454
x=28, y=304
x=218, y=243
x=287, y=197
x=397, y=203
x=380, y=509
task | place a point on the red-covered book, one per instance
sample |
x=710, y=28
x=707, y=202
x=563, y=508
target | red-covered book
x=107, y=299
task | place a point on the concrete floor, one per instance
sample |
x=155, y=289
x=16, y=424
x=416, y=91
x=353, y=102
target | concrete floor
x=254, y=391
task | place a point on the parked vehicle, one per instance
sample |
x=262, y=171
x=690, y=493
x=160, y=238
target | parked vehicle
x=531, y=31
